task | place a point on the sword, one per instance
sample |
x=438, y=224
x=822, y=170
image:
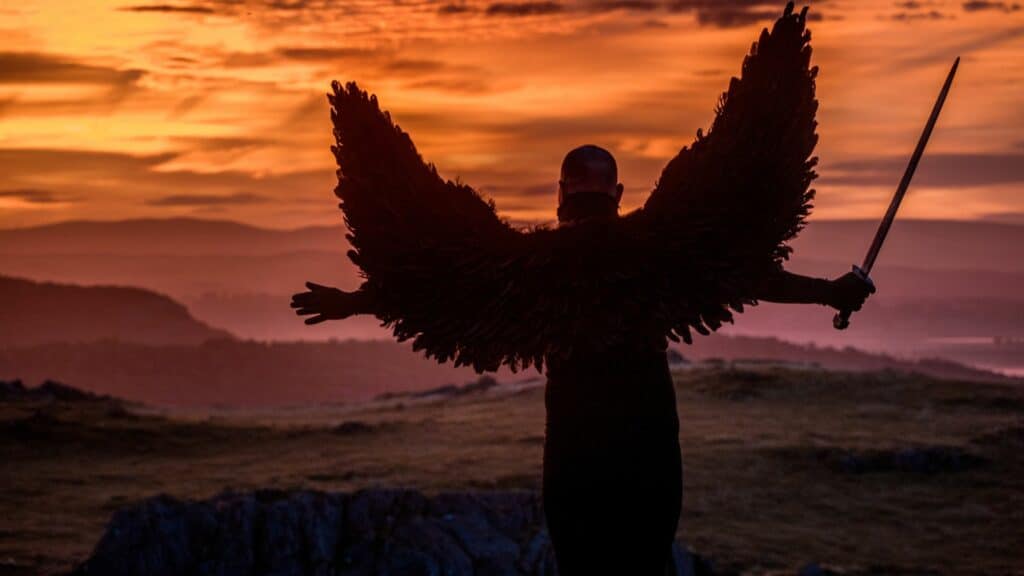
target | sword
x=842, y=320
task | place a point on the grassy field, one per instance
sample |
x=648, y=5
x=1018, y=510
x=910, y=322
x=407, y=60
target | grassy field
x=783, y=467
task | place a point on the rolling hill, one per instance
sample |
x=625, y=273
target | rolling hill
x=34, y=313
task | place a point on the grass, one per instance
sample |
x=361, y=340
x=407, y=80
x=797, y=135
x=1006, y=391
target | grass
x=762, y=492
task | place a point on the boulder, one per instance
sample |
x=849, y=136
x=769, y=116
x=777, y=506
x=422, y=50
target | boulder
x=371, y=532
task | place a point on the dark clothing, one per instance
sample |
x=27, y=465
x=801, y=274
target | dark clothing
x=612, y=468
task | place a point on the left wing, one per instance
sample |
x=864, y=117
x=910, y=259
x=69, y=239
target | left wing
x=440, y=266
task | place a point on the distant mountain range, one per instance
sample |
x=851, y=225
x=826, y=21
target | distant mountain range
x=171, y=236
x=922, y=244
x=249, y=373
x=936, y=279
x=33, y=313
x=144, y=346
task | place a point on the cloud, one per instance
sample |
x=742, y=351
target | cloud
x=728, y=13
x=411, y=66
x=207, y=199
x=732, y=18
x=627, y=5
x=524, y=8
x=222, y=143
x=981, y=5
x=322, y=53
x=114, y=176
x=185, y=105
x=946, y=170
x=912, y=16
x=452, y=85
x=654, y=23
x=930, y=54
x=454, y=9
x=34, y=195
x=169, y=8
x=40, y=68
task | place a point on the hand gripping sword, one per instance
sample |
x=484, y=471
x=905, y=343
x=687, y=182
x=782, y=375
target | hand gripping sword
x=842, y=320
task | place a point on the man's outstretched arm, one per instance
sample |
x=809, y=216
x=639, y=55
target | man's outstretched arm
x=848, y=292
x=326, y=303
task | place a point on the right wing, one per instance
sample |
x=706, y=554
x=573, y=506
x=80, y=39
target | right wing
x=732, y=201
x=751, y=172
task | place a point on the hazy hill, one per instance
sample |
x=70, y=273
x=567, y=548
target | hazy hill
x=922, y=244
x=937, y=279
x=236, y=373
x=188, y=258
x=34, y=313
x=179, y=236
x=247, y=373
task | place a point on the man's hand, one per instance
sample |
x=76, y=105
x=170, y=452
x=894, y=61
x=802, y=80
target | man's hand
x=324, y=303
x=848, y=292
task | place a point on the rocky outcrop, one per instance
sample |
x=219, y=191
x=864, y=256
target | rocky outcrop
x=925, y=460
x=48, y=391
x=379, y=532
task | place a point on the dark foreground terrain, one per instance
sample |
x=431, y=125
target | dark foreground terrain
x=870, y=473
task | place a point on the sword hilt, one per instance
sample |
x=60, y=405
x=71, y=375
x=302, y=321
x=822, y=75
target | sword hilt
x=841, y=321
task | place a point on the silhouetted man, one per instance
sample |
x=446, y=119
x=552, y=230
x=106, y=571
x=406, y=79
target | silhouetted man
x=595, y=299
x=611, y=452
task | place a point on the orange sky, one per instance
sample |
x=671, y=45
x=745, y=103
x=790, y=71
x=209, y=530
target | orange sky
x=216, y=108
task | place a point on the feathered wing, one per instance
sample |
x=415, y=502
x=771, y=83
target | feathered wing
x=440, y=266
x=745, y=184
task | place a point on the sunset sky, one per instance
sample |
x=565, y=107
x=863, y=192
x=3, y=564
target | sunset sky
x=116, y=109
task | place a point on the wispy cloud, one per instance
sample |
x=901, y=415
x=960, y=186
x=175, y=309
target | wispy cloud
x=169, y=8
x=982, y=5
x=937, y=170
x=207, y=199
x=626, y=5
x=34, y=195
x=41, y=68
x=524, y=8
x=913, y=16
x=727, y=13
x=454, y=9
x=203, y=100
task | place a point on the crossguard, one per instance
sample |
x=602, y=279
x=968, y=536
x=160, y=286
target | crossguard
x=841, y=321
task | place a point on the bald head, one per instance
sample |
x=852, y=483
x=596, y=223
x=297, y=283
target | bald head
x=589, y=185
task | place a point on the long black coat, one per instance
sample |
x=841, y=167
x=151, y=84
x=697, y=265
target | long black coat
x=612, y=469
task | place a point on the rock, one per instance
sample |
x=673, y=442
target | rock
x=924, y=460
x=11, y=389
x=687, y=563
x=49, y=391
x=817, y=570
x=353, y=427
x=371, y=532
x=675, y=358
x=481, y=385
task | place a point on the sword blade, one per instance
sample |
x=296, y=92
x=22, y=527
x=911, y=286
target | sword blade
x=908, y=174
